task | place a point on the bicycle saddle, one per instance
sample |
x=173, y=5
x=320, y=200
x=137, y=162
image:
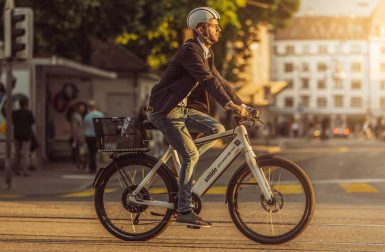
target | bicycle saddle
x=148, y=125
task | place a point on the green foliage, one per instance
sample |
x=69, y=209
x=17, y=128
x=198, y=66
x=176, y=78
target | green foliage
x=151, y=29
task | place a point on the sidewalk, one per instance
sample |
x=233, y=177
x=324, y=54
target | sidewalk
x=57, y=177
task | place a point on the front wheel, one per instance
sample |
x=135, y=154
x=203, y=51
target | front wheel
x=271, y=222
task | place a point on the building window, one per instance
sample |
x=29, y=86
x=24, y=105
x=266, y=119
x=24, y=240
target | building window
x=289, y=102
x=290, y=50
x=321, y=84
x=322, y=49
x=305, y=67
x=382, y=102
x=289, y=67
x=306, y=49
x=305, y=101
x=356, y=67
x=338, y=84
x=383, y=49
x=355, y=49
x=356, y=84
x=289, y=84
x=382, y=67
x=276, y=50
x=305, y=83
x=356, y=102
x=338, y=101
x=382, y=84
x=321, y=67
x=321, y=102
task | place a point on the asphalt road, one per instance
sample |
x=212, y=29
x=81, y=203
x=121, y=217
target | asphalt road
x=349, y=181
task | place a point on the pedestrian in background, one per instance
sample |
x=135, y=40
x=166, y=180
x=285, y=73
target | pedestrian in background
x=78, y=137
x=22, y=120
x=90, y=135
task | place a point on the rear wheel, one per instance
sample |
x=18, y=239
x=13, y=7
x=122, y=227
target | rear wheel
x=271, y=222
x=127, y=220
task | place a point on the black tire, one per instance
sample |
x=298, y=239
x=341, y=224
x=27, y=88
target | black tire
x=108, y=219
x=262, y=235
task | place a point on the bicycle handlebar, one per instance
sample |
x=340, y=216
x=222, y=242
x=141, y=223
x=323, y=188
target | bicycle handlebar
x=253, y=116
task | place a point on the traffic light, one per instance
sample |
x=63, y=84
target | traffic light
x=18, y=33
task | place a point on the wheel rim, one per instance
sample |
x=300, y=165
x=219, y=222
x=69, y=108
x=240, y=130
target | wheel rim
x=124, y=218
x=274, y=220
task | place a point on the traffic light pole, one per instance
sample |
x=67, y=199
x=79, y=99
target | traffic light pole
x=7, y=67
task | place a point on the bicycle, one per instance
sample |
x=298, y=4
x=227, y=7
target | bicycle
x=271, y=200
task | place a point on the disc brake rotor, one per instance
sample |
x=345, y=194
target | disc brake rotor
x=276, y=204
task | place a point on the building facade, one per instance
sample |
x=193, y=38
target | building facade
x=335, y=68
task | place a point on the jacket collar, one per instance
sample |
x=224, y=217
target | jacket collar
x=202, y=51
x=206, y=51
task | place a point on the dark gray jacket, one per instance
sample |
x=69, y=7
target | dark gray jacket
x=186, y=68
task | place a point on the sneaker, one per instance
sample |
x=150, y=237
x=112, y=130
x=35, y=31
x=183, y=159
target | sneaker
x=191, y=219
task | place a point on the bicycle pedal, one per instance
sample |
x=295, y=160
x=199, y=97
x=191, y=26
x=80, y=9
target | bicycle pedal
x=193, y=227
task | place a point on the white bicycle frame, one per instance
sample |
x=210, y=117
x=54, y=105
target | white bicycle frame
x=221, y=163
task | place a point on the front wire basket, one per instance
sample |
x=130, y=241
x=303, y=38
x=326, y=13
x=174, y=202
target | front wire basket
x=120, y=134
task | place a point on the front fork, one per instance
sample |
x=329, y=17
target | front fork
x=258, y=173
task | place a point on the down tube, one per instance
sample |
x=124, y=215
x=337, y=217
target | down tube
x=217, y=167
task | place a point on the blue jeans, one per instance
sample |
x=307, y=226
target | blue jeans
x=176, y=127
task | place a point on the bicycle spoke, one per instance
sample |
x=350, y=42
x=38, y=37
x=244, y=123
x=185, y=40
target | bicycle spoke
x=271, y=221
x=133, y=177
x=279, y=180
x=123, y=177
x=120, y=183
x=132, y=221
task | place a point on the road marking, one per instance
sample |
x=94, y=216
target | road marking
x=348, y=185
x=289, y=189
x=343, y=149
x=346, y=181
x=10, y=196
x=85, y=193
x=358, y=188
x=78, y=176
x=217, y=190
x=269, y=149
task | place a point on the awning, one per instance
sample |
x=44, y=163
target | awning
x=68, y=68
x=255, y=94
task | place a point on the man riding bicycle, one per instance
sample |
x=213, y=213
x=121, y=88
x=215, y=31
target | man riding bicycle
x=191, y=68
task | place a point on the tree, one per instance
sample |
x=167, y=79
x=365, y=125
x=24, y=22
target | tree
x=63, y=27
x=151, y=29
x=165, y=23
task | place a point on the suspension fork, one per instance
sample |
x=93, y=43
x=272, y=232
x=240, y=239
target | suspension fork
x=259, y=175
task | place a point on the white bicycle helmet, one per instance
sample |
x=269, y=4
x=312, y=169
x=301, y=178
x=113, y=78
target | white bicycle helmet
x=201, y=15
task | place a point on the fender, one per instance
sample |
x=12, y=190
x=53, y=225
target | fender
x=259, y=158
x=100, y=175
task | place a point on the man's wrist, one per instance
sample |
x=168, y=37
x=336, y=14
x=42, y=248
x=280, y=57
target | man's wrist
x=228, y=105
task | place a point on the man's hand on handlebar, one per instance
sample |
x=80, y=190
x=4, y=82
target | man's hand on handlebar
x=238, y=109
